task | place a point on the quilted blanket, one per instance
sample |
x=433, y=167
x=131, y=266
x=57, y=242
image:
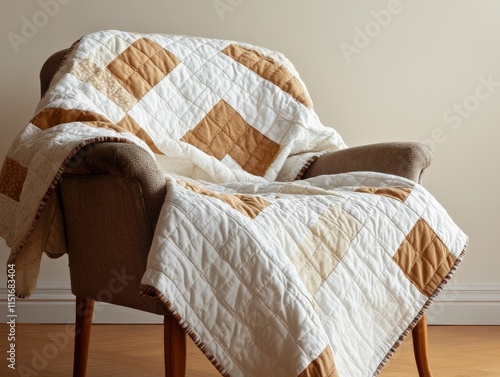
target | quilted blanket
x=269, y=275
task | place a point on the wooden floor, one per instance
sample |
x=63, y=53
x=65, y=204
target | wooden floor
x=136, y=350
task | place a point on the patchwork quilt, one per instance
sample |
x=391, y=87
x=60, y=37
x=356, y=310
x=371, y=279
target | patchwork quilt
x=270, y=275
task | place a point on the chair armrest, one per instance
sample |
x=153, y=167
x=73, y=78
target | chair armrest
x=405, y=159
x=111, y=195
x=128, y=161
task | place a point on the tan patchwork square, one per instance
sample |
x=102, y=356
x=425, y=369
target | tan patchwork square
x=12, y=177
x=328, y=241
x=250, y=206
x=322, y=366
x=424, y=258
x=270, y=70
x=224, y=132
x=141, y=66
x=398, y=193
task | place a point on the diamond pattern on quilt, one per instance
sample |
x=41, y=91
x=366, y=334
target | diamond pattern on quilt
x=141, y=66
x=328, y=241
x=424, y=258
x=224, y=132
x=12, y=177
x=270, y=70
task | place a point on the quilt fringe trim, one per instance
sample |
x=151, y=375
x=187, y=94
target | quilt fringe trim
x=421, y=313
x=57, y=178
x=149, y=291
x=308, y=164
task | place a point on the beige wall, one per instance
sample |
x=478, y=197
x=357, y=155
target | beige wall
x=423, y=60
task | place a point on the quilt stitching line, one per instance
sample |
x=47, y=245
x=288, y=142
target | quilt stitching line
x=363, y=260
x=255, y=295
x=383, y=283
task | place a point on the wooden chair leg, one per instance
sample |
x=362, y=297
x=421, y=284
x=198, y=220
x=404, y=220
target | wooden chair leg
x=419, y=335
x=175, y=348
x=83, y=324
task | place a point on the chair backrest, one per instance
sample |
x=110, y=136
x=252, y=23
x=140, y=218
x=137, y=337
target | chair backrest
x=50, y=68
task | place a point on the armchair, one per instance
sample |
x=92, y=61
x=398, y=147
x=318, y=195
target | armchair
x=107, y=256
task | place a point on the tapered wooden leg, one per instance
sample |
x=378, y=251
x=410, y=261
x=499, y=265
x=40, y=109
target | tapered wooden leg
x=419, y=334
x=175, y=348
x=83, y=324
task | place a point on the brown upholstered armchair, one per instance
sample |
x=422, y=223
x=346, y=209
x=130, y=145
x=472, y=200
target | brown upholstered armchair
x=108, y=242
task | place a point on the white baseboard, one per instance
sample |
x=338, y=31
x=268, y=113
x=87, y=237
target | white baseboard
x=466, y=304
x=458, y=304
x=53, y=304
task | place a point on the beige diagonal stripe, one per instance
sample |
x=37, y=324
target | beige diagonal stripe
x=328, y=241
x=105, y=82
x=223, y=131
x=270, y=70
x=398, y=193
x=249, y=206
x=424, y=258
x=322, y=366
x=141, y=66
x=12, y=177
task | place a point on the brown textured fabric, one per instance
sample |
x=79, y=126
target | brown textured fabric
x=112, y=195
x=407, y=160
x=109, y=232
x=50, y=68
x=12, y=177
x=131, y=161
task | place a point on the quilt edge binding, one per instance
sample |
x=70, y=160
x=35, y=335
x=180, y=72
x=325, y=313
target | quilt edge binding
x=152, y=292
x=57, y=178
x=419, y=316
